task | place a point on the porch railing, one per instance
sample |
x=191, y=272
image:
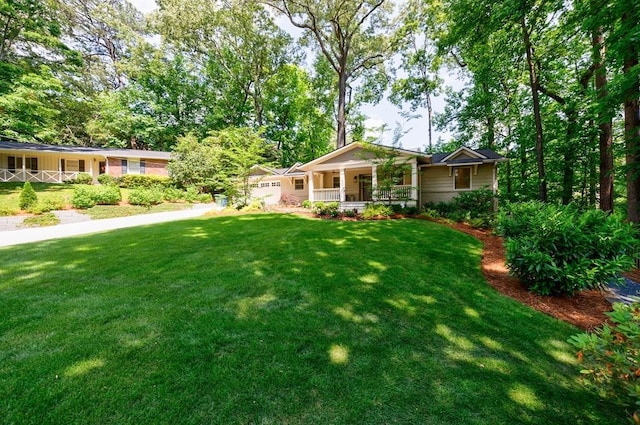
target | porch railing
x=326, y=195
x=395, y=192
x=43, y=176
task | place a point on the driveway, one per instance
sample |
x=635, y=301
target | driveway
x=74, y=224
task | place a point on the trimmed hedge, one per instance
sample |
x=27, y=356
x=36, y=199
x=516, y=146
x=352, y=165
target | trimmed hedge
x=85, y=196
x=137, y=181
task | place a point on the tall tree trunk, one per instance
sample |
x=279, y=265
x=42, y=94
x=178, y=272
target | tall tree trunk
x=342, y=109
x=605, y=126
x=632, y=132
x=533, y=82
x=568, y=177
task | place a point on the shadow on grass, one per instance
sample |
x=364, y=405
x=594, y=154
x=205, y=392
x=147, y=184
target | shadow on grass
x=277, y=319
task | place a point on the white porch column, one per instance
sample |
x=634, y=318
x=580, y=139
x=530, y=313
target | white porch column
x=310, y=185
x=414, y=180
x=343, y=186
x=374, y=182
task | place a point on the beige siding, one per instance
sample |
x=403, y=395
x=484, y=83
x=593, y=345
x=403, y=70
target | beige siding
x=271, y=194
x=356, y=154
x=437, y=185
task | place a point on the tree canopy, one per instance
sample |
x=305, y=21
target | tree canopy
x=552, y=85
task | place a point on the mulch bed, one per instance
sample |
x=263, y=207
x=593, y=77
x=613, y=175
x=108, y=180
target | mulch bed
x=585, y=310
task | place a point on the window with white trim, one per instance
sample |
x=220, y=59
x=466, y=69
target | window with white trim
x=298, y=184
x=275, y=184
x=462, y=178
x=264, y=184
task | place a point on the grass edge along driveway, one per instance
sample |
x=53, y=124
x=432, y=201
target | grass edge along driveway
x=277, y=319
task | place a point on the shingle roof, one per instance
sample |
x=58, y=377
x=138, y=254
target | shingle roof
x=83, y=150
x=490, y=156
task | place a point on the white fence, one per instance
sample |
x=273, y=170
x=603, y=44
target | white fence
x=36, y=176
x=396, y=192
x=326, y=195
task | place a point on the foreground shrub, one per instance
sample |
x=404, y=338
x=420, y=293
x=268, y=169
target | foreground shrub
x=83, y=178
x=172, y=194
x=146, y=197
x=136, y=181
x=7, y=211
x=193, y=195
x=611, y=355
x=559, y=250
x=28, y=197
x=377, y=211
x=82, y=197
x=289, y=200
x=326, y=209
x=306, y=204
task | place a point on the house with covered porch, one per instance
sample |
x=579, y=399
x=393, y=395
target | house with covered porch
x=351, y=175
x=20, y=162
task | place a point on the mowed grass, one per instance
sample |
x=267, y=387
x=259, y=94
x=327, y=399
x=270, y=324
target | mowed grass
x=277, y=319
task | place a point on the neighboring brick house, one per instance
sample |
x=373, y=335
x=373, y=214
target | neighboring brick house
x=55, y=164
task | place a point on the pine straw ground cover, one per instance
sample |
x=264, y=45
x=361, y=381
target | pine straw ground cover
x=277, y=319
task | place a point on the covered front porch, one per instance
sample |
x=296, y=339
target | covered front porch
x=360, y=185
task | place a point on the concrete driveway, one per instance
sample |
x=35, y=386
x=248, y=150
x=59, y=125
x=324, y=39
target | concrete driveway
x=82, y=226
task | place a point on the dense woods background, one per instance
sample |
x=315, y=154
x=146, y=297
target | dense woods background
x=553, y=85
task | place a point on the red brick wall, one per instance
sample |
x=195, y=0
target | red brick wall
x=156, y=167
x=114, y=167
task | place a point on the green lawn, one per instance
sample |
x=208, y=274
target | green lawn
x=10, y=194
x=277, y=319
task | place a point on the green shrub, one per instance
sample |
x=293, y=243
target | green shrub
x=172, y=194
x=411, y=211
x=396, y=208
x=559, y=250
x=306, y=204
x=350, y=213
x=82, y=197
x=137, y=181
x=254, y=205
x=106, y=195
x=204, y=198
x=28, y=197
x=83, y=178
x=191, y=194
x=477, y=202
x=611, y=354
x=106, y=179
x=326, y=209
x=377, y=211
x=7, y=211
x=146, y=197
x=48, y=204
x=466, y=206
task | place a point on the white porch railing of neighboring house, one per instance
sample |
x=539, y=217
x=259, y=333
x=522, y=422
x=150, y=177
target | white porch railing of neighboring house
x=36, y=176
x=326, y=195
x=402, y=192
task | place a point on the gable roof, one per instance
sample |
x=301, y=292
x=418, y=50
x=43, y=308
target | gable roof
x=467, y=156
x=344, y=150
x=82, y=150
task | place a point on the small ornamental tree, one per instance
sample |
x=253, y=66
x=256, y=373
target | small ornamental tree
x=390, y=170
x=28, y=197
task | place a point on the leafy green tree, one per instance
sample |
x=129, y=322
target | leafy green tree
x=196, y=164
x=352, y=36
x=30, y=107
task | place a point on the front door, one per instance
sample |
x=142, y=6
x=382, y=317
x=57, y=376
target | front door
x=365, y=187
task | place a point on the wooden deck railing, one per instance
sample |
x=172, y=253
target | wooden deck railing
x=326, y=195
